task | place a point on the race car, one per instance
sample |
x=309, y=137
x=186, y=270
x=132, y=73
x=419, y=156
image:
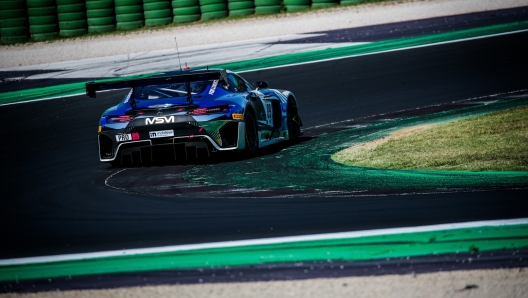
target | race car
x=192, y=115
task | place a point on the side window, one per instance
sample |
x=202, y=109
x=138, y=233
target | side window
x=242, y=86
x=237, y=84
x=233, y=83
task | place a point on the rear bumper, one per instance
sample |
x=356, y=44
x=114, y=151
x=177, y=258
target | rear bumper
x=182, y=147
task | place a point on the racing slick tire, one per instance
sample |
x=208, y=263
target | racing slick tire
x=251, y=134
x=294, y=128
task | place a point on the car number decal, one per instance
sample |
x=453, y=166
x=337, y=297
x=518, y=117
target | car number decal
x=269, y=114
x=161, y=134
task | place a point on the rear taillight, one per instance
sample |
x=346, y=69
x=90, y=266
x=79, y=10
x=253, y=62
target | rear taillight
x=119, y=119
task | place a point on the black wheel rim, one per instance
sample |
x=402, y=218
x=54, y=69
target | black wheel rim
x=251, y=133
x=293, y=125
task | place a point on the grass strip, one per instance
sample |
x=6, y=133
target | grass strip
x=350, y=249
x=281, y=60
x=492, y=142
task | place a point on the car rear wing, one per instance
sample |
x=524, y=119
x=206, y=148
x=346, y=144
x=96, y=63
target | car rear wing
x=93, y=87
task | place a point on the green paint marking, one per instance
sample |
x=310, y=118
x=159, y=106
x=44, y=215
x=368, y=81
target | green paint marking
x=374, y=47
x=69, y=89
x=309, y=166
x=348, y=249
x=281, y=60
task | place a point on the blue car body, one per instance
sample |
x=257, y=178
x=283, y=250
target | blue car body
x=193, y=114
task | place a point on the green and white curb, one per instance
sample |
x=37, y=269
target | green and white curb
x=286, y=60
x=345, y=246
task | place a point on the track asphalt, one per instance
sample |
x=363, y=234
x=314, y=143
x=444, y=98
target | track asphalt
x=52, y=204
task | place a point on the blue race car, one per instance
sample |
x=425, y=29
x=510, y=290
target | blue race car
x=191, y=115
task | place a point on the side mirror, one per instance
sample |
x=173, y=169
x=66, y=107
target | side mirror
x=261, y=84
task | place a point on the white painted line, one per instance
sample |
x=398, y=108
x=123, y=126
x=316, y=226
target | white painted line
x=435, y=105
x=48, y=98
x=388, y=51
x=329, y=59
x=265, y=241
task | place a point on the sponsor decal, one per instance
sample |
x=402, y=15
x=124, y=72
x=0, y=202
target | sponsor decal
x=238, y=116
x=161, y=134
x=159, y=120
x=213, y=87
x=135, y=136
x=128, y=96
x=100, y=128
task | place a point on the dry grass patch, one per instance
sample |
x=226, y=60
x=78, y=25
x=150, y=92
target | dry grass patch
x=493, y=142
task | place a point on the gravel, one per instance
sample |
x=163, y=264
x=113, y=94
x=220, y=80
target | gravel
x=497, y=283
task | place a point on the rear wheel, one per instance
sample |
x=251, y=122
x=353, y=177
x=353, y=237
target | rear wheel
x=294, y=121
x=252, y=142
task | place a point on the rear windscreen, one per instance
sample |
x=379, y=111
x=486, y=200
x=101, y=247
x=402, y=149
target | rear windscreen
x=172, y=90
